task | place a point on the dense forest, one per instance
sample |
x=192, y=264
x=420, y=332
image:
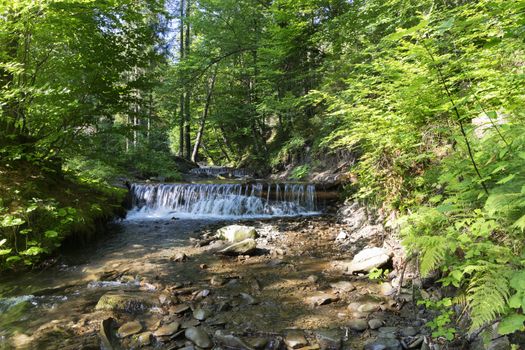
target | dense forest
x=426, y=97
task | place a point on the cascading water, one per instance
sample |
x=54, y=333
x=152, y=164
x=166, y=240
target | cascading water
x=216, y=171
x=222, y=200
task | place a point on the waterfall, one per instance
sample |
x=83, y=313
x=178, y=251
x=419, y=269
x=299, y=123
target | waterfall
x=216, y=171
x=222, y=200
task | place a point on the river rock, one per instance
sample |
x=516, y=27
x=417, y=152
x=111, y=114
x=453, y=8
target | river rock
x=244, y=247
x=322, y=299
x=129, y=328
x=342, y=286
x=167, y=329
x=367, y=259
x=295, y=339
x=144, y=339
x=217, y=281
x=330, y=339
x=236, y=233
x=178, y=309
x=375, y=323
x=198, y=337
x=408, y=331
x=107, y=334
x=384, y=344
x=258, y=343
x=231, y=341
x=128, y=302
x=200, y=314
x=358, y=325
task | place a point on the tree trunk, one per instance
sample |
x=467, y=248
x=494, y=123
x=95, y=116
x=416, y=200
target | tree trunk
x=181, y=57
x=204, y=117
x=187, y=97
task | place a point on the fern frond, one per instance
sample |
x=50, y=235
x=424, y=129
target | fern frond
x=487, y=295
x=433, y=250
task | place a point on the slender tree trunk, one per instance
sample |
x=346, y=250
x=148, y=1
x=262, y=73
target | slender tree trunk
x=204, y=117
x=187, y=97
x=181, y=57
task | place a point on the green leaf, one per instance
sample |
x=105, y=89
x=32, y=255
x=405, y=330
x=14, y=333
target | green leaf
x=511, y=323
x=5, y=251
x=2, y=242
x=13, y=259
x=51, y=234
x=506, y=179
x=515, y=300
x=33, y=251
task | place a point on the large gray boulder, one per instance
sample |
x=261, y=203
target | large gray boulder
x=245, y=247
x=368, y=259
x=236, y=233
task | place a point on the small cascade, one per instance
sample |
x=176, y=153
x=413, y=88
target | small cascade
x=222, y=200
x=220, y=171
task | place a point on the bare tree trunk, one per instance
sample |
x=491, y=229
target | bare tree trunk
x=181, y=57
x=204, y=117
x=187, y=100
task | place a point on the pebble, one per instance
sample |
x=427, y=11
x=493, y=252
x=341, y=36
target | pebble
x=129, y=328
x=358, y=325
x=384, y=344
x=343, y=286
x=199, y=337
x=144, y=339
x=329, y=339
x=368, y=307
x=312, y=278
x=408, y=331
x=200, y=314
x=178, y=309
x=190, y=323
x=258, y=343
x=321, y=299
x=248, y=299
x=295, y=339
x=217, y=281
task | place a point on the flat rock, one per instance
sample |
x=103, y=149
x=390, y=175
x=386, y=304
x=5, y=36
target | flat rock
x=128, y=302
x=257, y=343
x=217, y=281
x=236, y=233
x=129, y=328
x=200, y=314
x=178, y=309
x=368, y=307
x=384, y=344
x=367, y=259
x=295, y=339
x=375, y=323
x=198, y=337
x=245, y=247
x=231, y=341
x=409, y=331
x=358, y=325
x=145, y=338
x=322, y=299
x=329, y=339
x=342, y=286
x=167, y=329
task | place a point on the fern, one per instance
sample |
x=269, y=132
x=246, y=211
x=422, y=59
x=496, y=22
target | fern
x=487, y=294
x=433, y=250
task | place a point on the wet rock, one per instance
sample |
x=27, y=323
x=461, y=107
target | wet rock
x=330, y=339
x=245, y=247
x=342, y=286
x=257, y=343
x=167, y=329
x=295, y=339
x=367, y=259
x=179, y=257
x=236, y=233
x=384, y=344
x=129, y=328
x=322, y=299
x=312, y=279
x=198, y=337
x=358, y=325
x=190, y=323
x=144, y=339
x=128, y=302
x=231, y=341
x=107, y=334
x=200, y=314
x=375, y=323
x=178, y=309
x=408, y=331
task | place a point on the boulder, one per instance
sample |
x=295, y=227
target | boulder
x=244, y=247
x=368, y=259
x=128, y=302
x=295, y=339
x=236, y=233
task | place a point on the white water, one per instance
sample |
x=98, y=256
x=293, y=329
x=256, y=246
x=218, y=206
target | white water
x=222, y=200
x=216, y=171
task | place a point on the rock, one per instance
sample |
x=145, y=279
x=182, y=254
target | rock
x=358, y=325
x=412, y=342
x=245, y=247
x=236, y=233
x=179, y=257
x=144, y=339
x=341, y=236
x=200, y=314
x=342, y=286
x=129, y=328
x=295, y=339
x=257, y=343
x=248, y=299
x=368, y=307
x=321, y=299
x=367, y=259
x=178, y=309
x=502, y=343
x=190, y=323
x=330, y=339
x=217, y=281
x=312, y=278
x=167, y=329
x=231, y=341
x=106, y=333
x=128, y=302
x=198, y=337
x=165, y=299
x=408, y=331
x=387, y=289
x=375, y=323
x=384, y=344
